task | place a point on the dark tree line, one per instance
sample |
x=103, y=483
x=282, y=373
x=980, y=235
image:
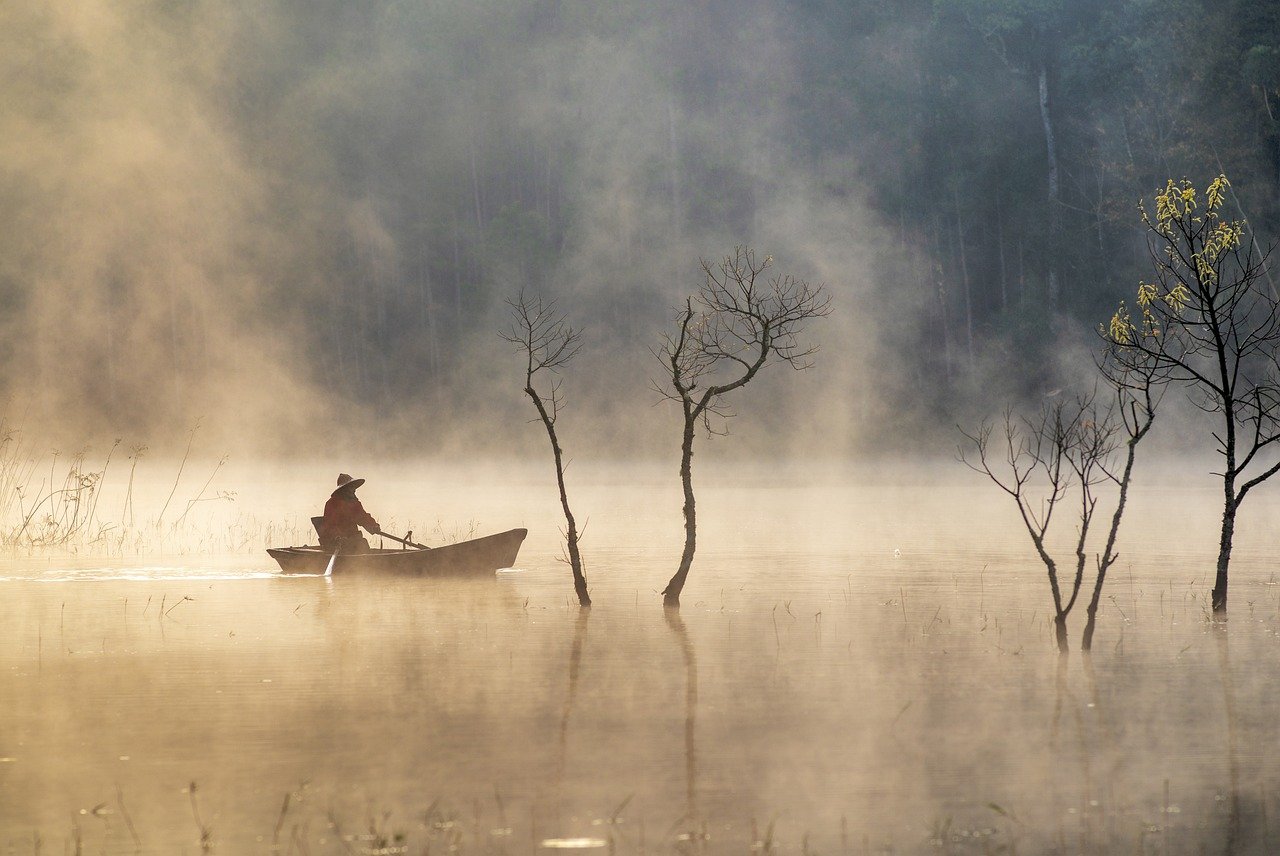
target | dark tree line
x=1003, y=144
x=375, y=177
x=1007, y=142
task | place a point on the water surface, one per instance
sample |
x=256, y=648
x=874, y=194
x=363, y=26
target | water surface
x=865, y=666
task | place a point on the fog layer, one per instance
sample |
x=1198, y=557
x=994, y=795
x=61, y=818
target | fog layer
x=298, y=221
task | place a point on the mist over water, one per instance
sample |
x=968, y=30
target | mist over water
x=251, y=246
x=297, y=222
x=871, y=651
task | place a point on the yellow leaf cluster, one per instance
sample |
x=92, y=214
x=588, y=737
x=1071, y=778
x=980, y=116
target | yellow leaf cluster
x=1177, y=297
x=1176, y=201
x=1204, y=268
x=1121, y=329
x=1217, y=191
x=1147, y=293
x=1224, y=236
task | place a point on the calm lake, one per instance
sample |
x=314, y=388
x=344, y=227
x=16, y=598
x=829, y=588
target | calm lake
x=863, y=663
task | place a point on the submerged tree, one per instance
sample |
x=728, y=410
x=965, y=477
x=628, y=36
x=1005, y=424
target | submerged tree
x=1072, y=447
x=1040, y=463
x=738, y=320
x=1209, y=322
x=548, y=343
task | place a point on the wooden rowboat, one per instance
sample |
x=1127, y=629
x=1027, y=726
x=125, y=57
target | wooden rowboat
x=475, y=558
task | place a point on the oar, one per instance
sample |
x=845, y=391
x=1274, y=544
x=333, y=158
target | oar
x=328, y=571
x=402, y=541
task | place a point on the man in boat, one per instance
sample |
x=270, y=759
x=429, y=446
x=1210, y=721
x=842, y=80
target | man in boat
x=343, y=517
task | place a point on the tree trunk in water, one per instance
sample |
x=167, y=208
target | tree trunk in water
x=1108, y=553
x=1046, y=118
x=671, y=594
x=1224, y=550
x=1060, y=632
x=1086, y=641
x=571, y=532
x=1059, y=614
x=571, y=526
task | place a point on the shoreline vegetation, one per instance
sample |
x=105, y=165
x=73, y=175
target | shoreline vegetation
x=56, y=501
x=86, y=503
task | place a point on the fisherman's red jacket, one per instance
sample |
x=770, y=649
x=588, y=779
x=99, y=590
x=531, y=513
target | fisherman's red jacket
x=342, y=516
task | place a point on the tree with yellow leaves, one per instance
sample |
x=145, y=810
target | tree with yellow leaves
x=1208, y=322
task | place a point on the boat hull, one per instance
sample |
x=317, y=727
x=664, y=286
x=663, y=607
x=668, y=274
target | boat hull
x=478, y=557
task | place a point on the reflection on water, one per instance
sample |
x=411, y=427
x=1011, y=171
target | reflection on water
x=692, y=820
x=819, y=692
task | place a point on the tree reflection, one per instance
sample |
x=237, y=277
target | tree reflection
x=695, y=833
x=1233, y=754
x=575, y=665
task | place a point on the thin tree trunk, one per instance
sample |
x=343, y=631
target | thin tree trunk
x=942, y=297
x=1100, y=225
x=546, y=200
x=475, y=188
x=1004, y=277
x=1022, y=273
x=964, y=279
x=1108, y=555
x=1059, y=615
x=671, y=594
x=427, y=313
x=571, y=526
x=677, y=201
x=457, y=275
x=673, y=142
x=1055, y=217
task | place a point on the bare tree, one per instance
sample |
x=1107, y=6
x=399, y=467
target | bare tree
x=1208, y=322
x=548, y=343
x=1041, y=463
x=738, y=320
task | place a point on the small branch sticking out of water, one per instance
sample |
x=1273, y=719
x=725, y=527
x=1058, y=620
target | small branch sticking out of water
x=128, y=821
x=284, y=810
x=206, y=834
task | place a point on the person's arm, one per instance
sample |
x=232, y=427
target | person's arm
x=366, y=520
